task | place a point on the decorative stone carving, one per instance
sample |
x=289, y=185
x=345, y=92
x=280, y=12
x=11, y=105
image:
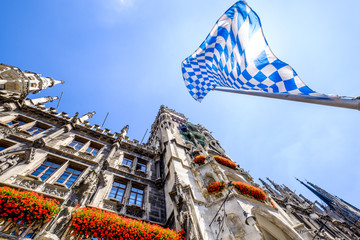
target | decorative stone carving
x=4, y=132
x=72, y=151
x=48, y=236
x=68, y=150
x=27, y=182
x=56, y=191
x=30, y=155
x=135, y=210
x=125, y=168
x=140, y=173
x=112, y=204
x=8, y=161
x=9, y=106
x=120, y=136
x=39, y=143
x=60, y=225
x=84, y=189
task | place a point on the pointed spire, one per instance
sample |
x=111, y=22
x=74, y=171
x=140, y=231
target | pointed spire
x=269, y=188
x=47, y=82
x=327, y=200
x=277, y=187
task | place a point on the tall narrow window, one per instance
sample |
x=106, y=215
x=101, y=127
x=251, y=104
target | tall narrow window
x=136, y=196
x=69, y=176
x=77, y=144
x=127, y=161
x=45, y=170
x=117, y=190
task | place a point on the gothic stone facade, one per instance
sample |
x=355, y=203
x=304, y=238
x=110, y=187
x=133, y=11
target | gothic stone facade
x=79, y=164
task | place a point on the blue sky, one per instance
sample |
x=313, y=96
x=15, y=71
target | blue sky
x=124, y=56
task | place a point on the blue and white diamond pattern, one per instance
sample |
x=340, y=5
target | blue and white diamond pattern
x=236, y=55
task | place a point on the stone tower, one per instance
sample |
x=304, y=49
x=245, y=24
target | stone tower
x=230, y=213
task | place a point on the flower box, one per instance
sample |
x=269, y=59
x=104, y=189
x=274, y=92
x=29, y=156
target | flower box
x=25, y=206
x=250, y=190
x=100, y=224
x=215, y=187
x=200, y=159
x=226, y=162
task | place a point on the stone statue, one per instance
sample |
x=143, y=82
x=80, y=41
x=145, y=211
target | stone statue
x=8, y=161
x=84, y=189
x=75, y=118
x=192, y=134
x=124, y=131
x=4, y=132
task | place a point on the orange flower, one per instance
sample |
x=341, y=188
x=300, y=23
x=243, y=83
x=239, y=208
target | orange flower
x=199, y=159
x=225, y=162
x=215, y=187
x=250, y=190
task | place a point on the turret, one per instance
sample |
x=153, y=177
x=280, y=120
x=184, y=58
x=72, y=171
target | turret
x=18, y=84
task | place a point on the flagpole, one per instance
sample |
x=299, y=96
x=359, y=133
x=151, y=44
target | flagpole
x=330, y=101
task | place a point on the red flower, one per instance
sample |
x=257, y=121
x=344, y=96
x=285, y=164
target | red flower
x=200, y=159
x=250, y=190
x=215, y=187
x=18, y=205
x=225, y=162
x=92, y=222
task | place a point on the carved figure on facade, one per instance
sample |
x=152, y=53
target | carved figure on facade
x=192, y=134
x=8, y=161
x=83, y=191
x=59, y=226
x=5, y=132
x=123, y=132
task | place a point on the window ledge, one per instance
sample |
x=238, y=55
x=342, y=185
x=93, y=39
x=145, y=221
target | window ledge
x=60, y=185
x=140, y=173
x=89, y=154
x=33, y=177
x=135, y=210
x=114, y=200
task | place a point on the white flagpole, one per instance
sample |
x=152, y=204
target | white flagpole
x=342, y=102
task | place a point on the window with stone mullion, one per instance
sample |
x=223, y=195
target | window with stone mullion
x=76, y=144
x=118, y=191
x=69, y=176
x=127, y=161
x=136, y=196
x=15, y=123
x=35, y=130
x=45, y=170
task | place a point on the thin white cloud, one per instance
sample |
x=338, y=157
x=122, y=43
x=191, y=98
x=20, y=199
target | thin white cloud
x=119, y=5
x=110, y=12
